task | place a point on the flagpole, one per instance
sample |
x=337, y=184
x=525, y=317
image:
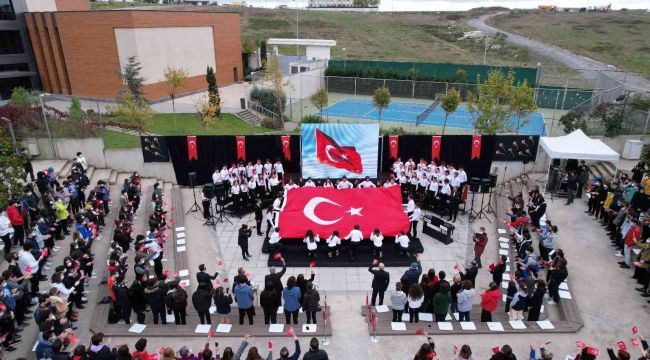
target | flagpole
x=326, y=339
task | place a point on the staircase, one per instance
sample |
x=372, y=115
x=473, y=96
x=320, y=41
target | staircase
x=604, y=169
x=250, y=117
x=67, y=167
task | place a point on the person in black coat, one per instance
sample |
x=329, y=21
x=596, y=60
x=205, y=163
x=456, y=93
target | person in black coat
x=270, y=302
x=241, y=276
x=310, y=303
x=535, y=302
x=122, y=300
x=559, y=274
x=275, y=280
x=202, y=299
x=470, y=273
x=380, y=281
x=498, y=270
x=314, y=352
x=242, y=240
x=301, y=283
x=205, y=278
x=155, y=297
x=258, y=217
x=57, y=349
x=137, y=300
x=99, y=351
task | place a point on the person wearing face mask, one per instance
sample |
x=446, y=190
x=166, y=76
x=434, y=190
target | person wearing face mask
x=105, y=196
x=6, y=230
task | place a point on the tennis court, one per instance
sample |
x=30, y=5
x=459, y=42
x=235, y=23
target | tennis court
x=405, y=112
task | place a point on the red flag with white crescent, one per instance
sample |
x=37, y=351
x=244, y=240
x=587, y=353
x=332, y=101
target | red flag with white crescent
x=241, y=147
x=393, y=142
x=329, y=152
x=286, y=149
x=192, y=152
x=476, y=147
x=436, y=142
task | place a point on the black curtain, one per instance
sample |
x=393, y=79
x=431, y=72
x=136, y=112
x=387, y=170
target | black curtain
x=455, y=149
x=216, y=151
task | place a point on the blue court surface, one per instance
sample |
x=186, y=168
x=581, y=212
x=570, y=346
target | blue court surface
x=407, y=113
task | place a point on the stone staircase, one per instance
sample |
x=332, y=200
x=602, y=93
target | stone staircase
x=603, y=169
x=111, y=175
x=250, y=117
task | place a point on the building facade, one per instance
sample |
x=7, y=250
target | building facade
x=330, y=3
x=81, y=53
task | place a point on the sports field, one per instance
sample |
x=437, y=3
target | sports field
x=407, y=112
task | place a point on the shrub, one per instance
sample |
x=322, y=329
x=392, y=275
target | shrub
x=268, y=99
x=21, y=97
x=313, y=119
x=573, y=120
x=272, y=123
x=395, y=130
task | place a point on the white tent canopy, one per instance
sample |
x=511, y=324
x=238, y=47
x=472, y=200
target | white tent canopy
x=577, y=145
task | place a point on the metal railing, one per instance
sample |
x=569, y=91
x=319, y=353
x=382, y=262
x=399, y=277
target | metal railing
x=258, y=108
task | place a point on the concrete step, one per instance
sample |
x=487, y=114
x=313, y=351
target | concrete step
x=65, y=171
x=603, y=171
x=610, y=167
x=89, y=174
x=249, y=117
x=112, y=179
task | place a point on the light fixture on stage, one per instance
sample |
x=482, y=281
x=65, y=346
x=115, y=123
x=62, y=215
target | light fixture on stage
x=192, y=180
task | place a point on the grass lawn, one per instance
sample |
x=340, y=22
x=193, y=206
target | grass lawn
x=188, y=124
x=620, y=38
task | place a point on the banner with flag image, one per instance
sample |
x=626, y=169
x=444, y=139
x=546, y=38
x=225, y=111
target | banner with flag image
x=337, y=150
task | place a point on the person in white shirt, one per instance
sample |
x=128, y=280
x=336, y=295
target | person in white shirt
x=236, y=197
x=377, y=241
x=432, y=192
x=366, y=183
x=274, y=184
x=279, y=169
x=462, y=174
x=274, y=241
x=328, y=183
x=397, y=165
x=259, y=168
x=245, y=196
x=260, y=185
x=309, y=183
x=225, y=177
x=402, y=242
x=290, y=185
x=216, y=177
x=355, y=236
x=270, y=219
x=82, y=160
x=252, y=186
x=312, y=241
x=268, y=167
x=423, y=184
x=413, y=184
x=410, y=205
x=64, y=292
x=344, y=184
x=29, y=265
x=249, y=169
x=415, y=217
x=455, y=180
x=333, y=244
x=6, y=230
x=409, y=164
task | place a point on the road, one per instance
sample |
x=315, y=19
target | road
x=586, y=66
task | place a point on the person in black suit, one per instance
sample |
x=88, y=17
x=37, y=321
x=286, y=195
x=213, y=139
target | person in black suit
x=380, y=281
x=453, y=203
x=242, y=240
x=275, y=278
x=470, y=273
x=258, y=216
x=203, y=277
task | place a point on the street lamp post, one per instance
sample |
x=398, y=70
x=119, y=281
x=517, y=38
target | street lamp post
x=297, y=35
x=345, y=58
x=47, y=126
x=11, y=131
x=485, y=50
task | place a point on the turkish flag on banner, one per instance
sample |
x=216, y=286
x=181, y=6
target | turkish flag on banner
x=241, y=147
x=286, y=149
x=436, y=142
x=192, y=152
x=329, y=152
x=476, y=147
x=393, y=143
x=324, y=210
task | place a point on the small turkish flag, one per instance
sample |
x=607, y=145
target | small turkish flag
x=496, y=349
x=269, y=345
x=290, y=331
x=329, y=152
x=635, y=330
x=286, y=149
x=580, y=345
x=419, y=332
x=312, y=264
x=248, y=275
x=73, y=339
x=393, y=145
x=277, y=256
x=621, y=345
x=592, y=351
x=436, y=144
x=241, y=147
x=192, y=151
x=28, y=269
x=476, y=147
x=634, y=342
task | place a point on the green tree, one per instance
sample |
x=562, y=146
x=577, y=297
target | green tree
x=381, y=99
x=496, y=100
x=213, y=91
x=11, y=169
x=320, y=99
x=274, y=76
x=132, y=79
x=461, y=76
x=207, y=111
x=523, y=103
x=21, y=96
x=612, y=118
x=449, y=103
x=263, y=52
x=129, y=111
x=75, y=110
x=574, y=120
x=175, y=78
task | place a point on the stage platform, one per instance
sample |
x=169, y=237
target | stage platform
x=295, y=254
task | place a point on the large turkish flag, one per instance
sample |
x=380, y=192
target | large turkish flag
x=476, y=147
x=436, y=142
x=241, y=147
x=329, y=152
x=324, y=210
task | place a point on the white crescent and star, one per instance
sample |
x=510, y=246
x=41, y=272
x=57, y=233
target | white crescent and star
x=240, y=143
x=477, y=143
x=329, y=156
x=436, y=143
x=393, y=143
x=285, y=143
x=310, y=208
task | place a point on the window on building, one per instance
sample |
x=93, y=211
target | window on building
x=6, y=85
x=14, y=67
x=10, y=42
x=7, y=10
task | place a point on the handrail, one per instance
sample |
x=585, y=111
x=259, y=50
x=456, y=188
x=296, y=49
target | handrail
x=255, y=106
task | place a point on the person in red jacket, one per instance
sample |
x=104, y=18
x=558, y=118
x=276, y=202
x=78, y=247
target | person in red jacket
x=632, y=237
x=480, y=241
x=141, y=350
x=489, y=302
x=17, y=221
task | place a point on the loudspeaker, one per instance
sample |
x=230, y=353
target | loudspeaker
x=192, y=178
x=493, y=179
x=474, y=184
x=485, y=185
x=208, y=190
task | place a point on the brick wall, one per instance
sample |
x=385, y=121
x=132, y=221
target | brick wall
x=72, y=5
x=81, y=58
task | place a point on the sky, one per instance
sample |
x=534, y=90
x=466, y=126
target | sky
x=461, y=5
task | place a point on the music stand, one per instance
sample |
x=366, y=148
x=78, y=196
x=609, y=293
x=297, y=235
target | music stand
x=221, y=211
x=212, y=220
x=488, y=208
x=195, y=207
